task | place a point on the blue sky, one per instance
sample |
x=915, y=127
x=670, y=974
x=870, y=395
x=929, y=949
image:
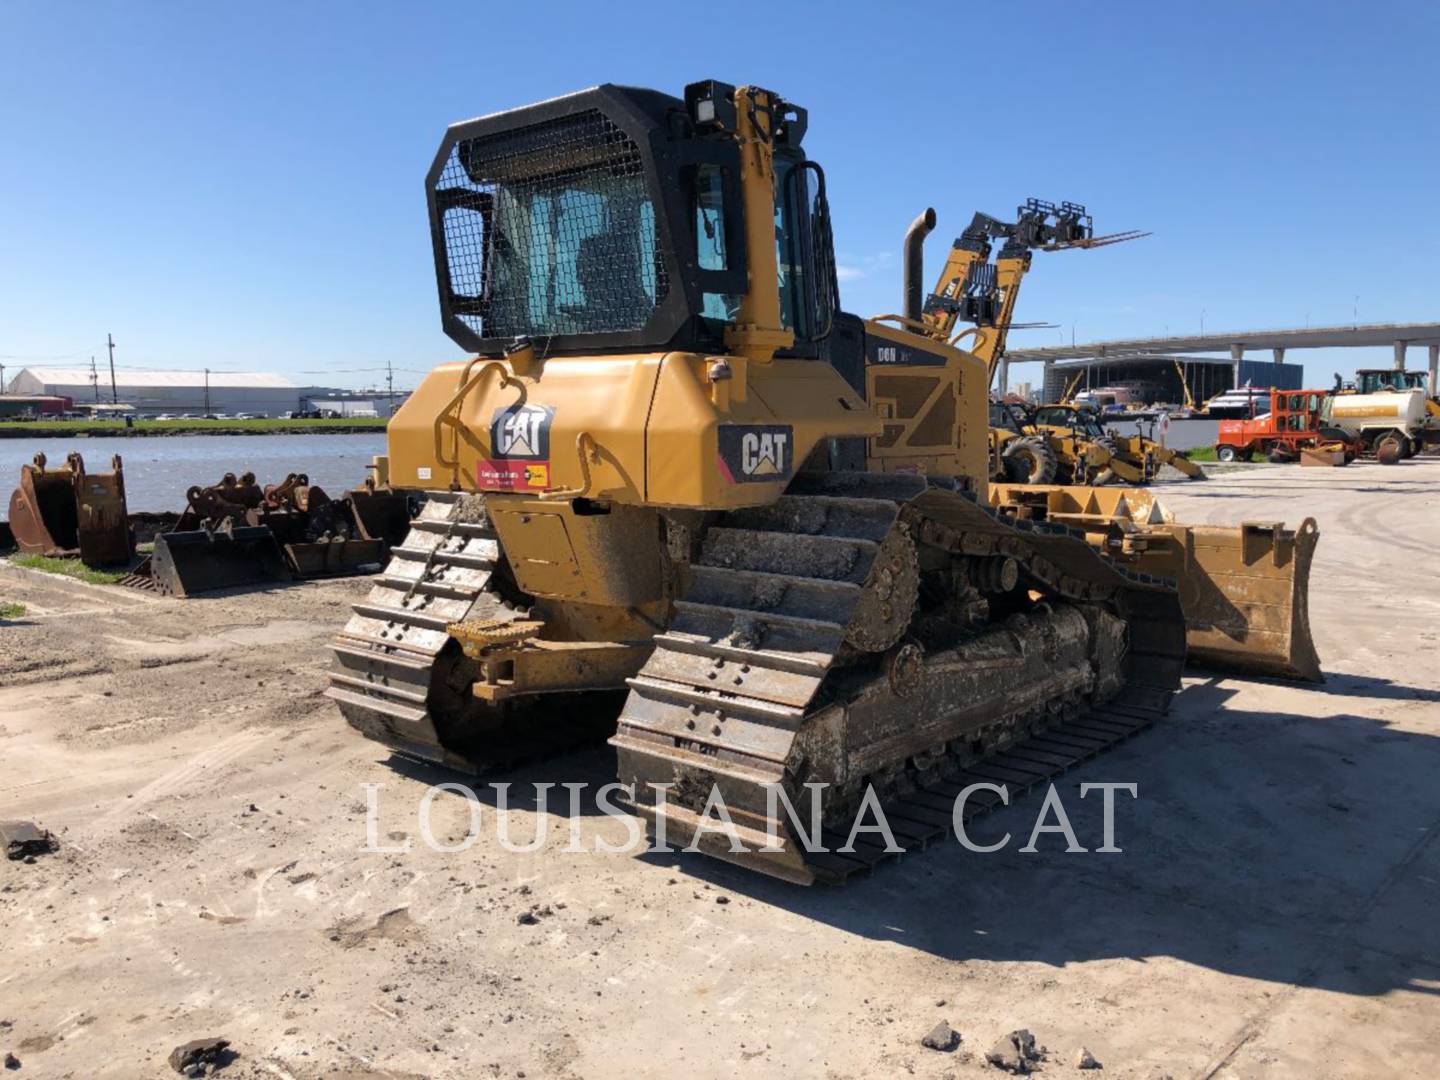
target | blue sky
x=240, y=186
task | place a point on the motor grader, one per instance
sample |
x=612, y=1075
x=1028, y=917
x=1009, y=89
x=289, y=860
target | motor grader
x=675, y=479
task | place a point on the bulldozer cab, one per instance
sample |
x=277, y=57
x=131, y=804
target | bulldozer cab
x=649, y=290
x=615, y=220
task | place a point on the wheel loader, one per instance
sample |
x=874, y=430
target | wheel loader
x=675, y=487
x=1067, y=444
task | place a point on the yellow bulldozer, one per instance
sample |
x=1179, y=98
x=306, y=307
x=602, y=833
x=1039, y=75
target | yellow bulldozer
x=677, y=488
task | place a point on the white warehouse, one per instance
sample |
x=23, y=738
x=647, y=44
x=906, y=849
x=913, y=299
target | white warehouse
x=175, y=392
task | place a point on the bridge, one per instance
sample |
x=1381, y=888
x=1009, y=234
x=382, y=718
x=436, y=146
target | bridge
x=1400, y=336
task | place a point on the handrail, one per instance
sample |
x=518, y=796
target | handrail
x=588, y=451
x=917, y=325
x=981, y=337
x=468, y=382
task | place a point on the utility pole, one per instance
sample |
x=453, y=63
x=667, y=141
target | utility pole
x=95, y=380
x=207, y=391
x=389, y=384
x=110, y=341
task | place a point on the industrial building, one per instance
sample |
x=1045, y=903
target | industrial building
x=173, y=392
x=1158, y=378
x=1153, y=366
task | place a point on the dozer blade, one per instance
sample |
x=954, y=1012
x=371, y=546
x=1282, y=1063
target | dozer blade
x=201, y=560
x=1180, y=462
x=1244, y=589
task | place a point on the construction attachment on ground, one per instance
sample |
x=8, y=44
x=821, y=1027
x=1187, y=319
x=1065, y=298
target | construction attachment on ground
x=235, y=533
x=68, y=512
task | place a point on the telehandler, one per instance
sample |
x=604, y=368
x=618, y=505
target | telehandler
x=1060, y=442
x=673, y=473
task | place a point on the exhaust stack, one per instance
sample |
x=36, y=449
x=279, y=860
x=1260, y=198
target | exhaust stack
x=920, y=228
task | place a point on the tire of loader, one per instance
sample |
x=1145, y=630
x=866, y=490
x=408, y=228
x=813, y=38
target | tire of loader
x=1030, y=461
x=1226, y=453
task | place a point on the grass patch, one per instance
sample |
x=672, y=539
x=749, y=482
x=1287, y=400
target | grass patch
x=69, y=568
x=1202, y=453
x=193, y=427
x=11, y=611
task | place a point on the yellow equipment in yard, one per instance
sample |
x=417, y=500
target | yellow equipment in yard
x=1107, y=456
x=1060, y=443
x=1067, y=444
x=676, y=481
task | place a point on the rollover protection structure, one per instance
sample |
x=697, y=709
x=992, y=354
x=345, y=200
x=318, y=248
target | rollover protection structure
x=677, y=481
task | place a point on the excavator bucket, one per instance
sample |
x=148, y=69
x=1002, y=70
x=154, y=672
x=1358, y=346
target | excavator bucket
x=1244, y=589
x=204, y=559
x=67, y=512
x=381, y=513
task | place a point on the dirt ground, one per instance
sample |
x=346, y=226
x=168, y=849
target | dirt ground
x=1271, y=915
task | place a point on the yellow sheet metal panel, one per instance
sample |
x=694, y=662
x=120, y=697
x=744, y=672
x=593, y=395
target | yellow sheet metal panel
x=606, y=555
x=523, y=436
x=743, y=450
x=933, y=403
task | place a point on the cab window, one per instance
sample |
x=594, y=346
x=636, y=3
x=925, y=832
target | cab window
x=709, y=224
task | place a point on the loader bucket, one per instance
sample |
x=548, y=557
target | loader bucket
x=200, y=560
x=67, y=512
x=326, y=558
x=382, y=513
x=1244, y=589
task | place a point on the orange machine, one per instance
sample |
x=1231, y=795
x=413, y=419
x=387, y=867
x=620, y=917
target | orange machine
x=1294, y=423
